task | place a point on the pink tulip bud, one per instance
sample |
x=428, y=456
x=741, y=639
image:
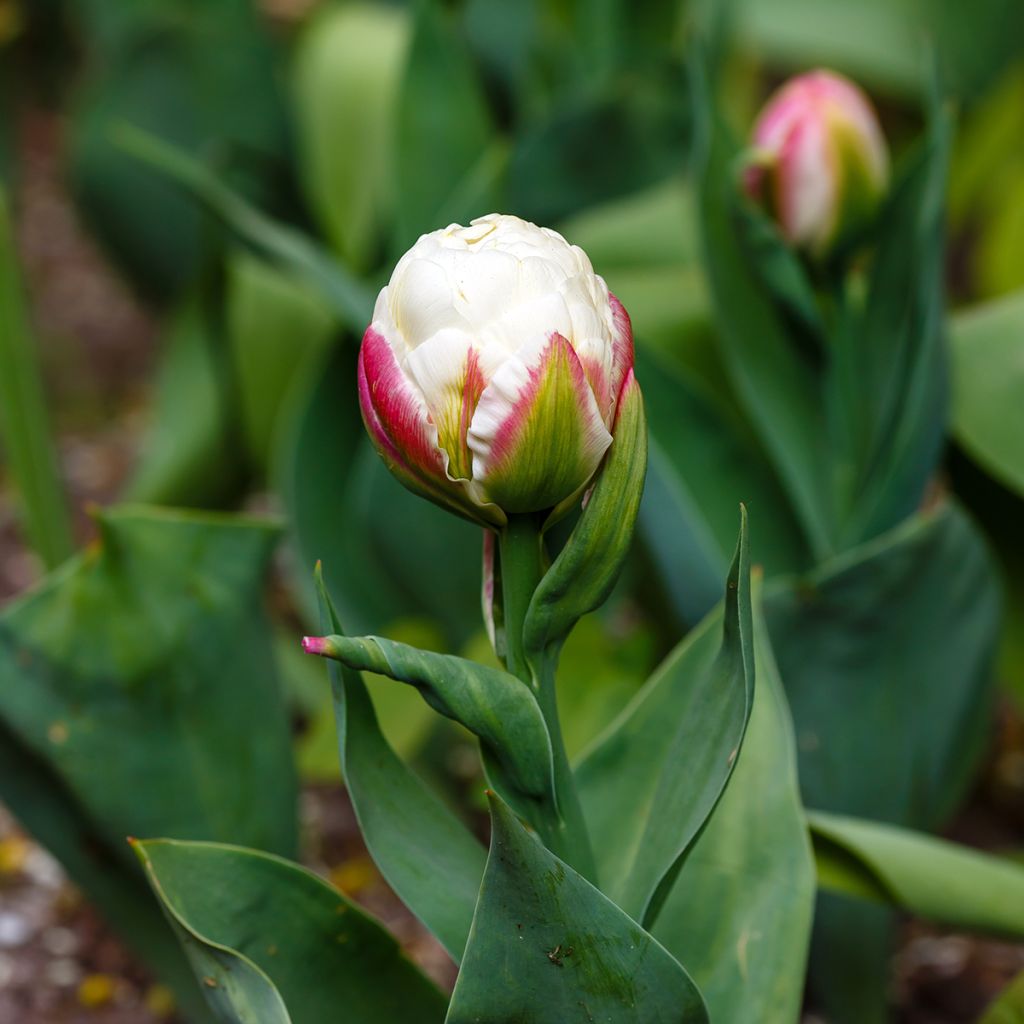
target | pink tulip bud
x=490, y=376
x=820, y=161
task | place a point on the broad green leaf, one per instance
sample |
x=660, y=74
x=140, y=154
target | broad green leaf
x=988, y=382
x=774, y=377
x=387, y=554
x=443, y=126
x=346, y=76
x=704, y=462
x=546, y=945
x=189, y=456
x=740, y=912
x=24, y=425
x=426, y=854
x=125, y=650
x=164, y=69
x=571, y=159
x=348, y=297
x=932, y=878
x=643, y=812
x=1009, y=1007
x=494, y=705
x=276, y=325
x=892, y=351
x=891, y=728
x=880, y=42
x=272, y=943
x=587, y=567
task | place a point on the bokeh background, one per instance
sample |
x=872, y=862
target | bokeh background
x=195, y=189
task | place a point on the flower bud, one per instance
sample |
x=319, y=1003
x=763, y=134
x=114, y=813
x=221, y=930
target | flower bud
x=490, y=375
x=820, y=161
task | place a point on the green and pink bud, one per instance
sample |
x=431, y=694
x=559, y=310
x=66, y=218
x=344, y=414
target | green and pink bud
x=490, y=376
x=820, y=163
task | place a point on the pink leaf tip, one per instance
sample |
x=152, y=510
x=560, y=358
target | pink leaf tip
x=315, y=645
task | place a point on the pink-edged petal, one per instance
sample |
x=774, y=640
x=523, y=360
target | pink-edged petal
x=538, y=434
x=806, y=182
x=623, y=353
x=451, y=373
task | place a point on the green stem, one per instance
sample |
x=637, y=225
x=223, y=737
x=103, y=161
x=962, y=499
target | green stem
x=563, y=828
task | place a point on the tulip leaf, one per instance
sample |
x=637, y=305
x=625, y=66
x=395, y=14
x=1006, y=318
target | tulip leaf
x=546, y=945
x=347, y=73
x=893, y=349
x=276, y=326
x=494, y=705
x=271, y=942
x=775, y=378
x=704, y=461
x=932, y=878
x=1009, y=1007
x=152, y=644
x=24, y=423
x=643, y=812
x=443, y=125
x=587, y=567
x=988, y=381
x=426, y=854
x=190, y=456
x=740, y=912
x=348, y=297
x=387, y=554
x=163, y=68
x=911, y=709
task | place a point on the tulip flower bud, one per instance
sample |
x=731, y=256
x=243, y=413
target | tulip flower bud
x=490, y=375
x=820, y=161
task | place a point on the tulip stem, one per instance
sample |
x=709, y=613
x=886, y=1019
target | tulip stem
x=522, y=565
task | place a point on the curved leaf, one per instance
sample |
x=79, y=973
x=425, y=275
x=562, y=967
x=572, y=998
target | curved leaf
x=546, y=945
x=272, y=943
x=932, y=878
x=643, y=809
x=494, y=705
x=988, y=381
x=587, y=567
x=740, y=912
x=426, y=854
x=346, y=76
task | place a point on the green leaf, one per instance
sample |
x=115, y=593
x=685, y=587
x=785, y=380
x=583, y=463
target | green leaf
x=153, y=644
x=894, y=353
x=346, y=77
x=643, y=813
x=587, y=567
x=546, y=945
x=932, y=878
x=161, y=66
x=494, y=705
x=189, y=454
x=426, y=855
x=387, y=553
x=571, y=159
x=704, y=462
x=276, y=327
x=891, y=729
x=348, y=297
x=740, y=912
x=24, y=426
x=271, y=942
x=988, y=381
x=775, y=379
x=1009, y=1007
x=443, y=126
